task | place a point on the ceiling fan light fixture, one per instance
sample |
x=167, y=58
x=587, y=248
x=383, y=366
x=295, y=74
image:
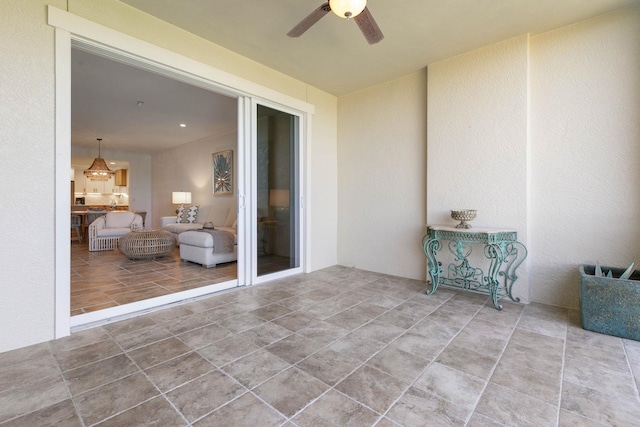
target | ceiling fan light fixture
x=347, y=8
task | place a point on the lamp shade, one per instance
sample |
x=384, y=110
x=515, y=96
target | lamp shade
x=279, y=198
x=180, y=197
x=347, y=8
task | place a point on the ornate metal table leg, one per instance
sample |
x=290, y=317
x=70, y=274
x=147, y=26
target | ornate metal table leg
x=431, y=248
x=515, y=255
x=496, y=253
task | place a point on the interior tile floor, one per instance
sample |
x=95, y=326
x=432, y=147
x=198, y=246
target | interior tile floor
x=106, y=279
x=335, y=347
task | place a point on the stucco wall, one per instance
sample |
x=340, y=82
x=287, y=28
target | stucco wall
x=27, y=171
x=27, y=161
x=585, y=157
x=574, y=152
x=477, y=139
x=381, y=175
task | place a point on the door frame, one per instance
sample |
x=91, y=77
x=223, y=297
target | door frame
x=253, y=174
x=71, y=29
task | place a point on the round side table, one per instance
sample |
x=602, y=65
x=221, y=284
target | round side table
x=146, y=243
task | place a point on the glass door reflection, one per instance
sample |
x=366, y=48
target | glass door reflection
x=277, y=184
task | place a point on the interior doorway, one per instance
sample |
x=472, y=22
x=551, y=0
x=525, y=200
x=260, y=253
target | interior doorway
x=165, y=130
x=73, y=32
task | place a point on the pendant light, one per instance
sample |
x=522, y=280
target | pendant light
x=99, y=171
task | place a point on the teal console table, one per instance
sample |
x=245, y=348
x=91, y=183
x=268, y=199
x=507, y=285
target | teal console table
x=501, y=247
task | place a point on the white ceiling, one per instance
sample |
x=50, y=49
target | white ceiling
x=334, y=56
x=105, y=96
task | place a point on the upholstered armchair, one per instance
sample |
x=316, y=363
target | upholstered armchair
x=106, y=230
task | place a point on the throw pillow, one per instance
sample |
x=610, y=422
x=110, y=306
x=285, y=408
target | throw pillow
x=187, y=215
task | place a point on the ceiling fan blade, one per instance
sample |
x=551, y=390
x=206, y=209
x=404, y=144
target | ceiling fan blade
x=307, y=22
x=369, y=26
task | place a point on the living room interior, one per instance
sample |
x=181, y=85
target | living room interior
x=160, y=137
x=534, y=126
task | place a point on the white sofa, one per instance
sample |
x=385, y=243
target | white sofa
x=106, y=230
x=200, y=247
x=221, y=217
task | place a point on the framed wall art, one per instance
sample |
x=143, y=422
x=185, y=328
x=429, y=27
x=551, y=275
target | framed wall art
x=223, y=173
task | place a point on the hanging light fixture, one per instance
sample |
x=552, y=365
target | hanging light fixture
x=99, y=171
x=347, y=8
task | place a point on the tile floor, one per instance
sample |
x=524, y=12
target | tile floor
x=336, y=347
x=106, y=279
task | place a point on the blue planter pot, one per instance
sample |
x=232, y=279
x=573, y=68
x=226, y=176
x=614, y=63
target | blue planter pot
x=608, y=305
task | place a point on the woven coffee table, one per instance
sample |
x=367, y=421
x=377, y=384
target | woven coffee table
x=146, y=243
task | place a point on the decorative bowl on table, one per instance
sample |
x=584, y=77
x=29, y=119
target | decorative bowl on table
x=463, y=216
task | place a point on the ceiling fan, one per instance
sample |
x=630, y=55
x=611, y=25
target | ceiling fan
x=356, y=9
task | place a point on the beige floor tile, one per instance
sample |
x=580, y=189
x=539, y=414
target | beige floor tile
x=364, y=348
x=175, y=372
x=61, y=414
x=515, y=409
x=265, y=334
x=113, y=398
x=246, y=411
x=69, y=359
x=32, y=396
x=290, y=391
x=451, y=384
x=158, y=352
x=335, y=409
x=227, y=350
x=294, y=348
x=527, y=381
x=468, y=360
x=399, y=363
x=600, y=406
x=204, y=394
x=201, y=337
x=538, y=360
x=329, y=366
x=256, y=368
x=372, y=387
x=155, y=412
x=322, y=332
x=418, y=408
x=294, y=321
x=141, y=337
x=96, y=374
x=357, y=346
x=598, y=377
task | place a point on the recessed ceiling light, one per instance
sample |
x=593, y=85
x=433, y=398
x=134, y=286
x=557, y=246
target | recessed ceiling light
x=182, y=125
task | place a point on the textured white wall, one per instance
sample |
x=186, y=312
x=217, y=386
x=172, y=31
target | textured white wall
x=579, y=164
x=27, y=112
x=27, y=172
x=477, y=140
x=381, y=175
x=322, y=160
x=189, y=168
x=585, y=130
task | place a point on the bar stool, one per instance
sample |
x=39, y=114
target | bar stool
x=76, y=224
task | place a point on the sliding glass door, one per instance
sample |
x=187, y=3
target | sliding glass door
x=277, y=239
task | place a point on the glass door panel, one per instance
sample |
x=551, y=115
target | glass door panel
x=278, y=224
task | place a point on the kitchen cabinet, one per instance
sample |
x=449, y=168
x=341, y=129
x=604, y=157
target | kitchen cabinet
x=121, y=177
x=86, y=185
